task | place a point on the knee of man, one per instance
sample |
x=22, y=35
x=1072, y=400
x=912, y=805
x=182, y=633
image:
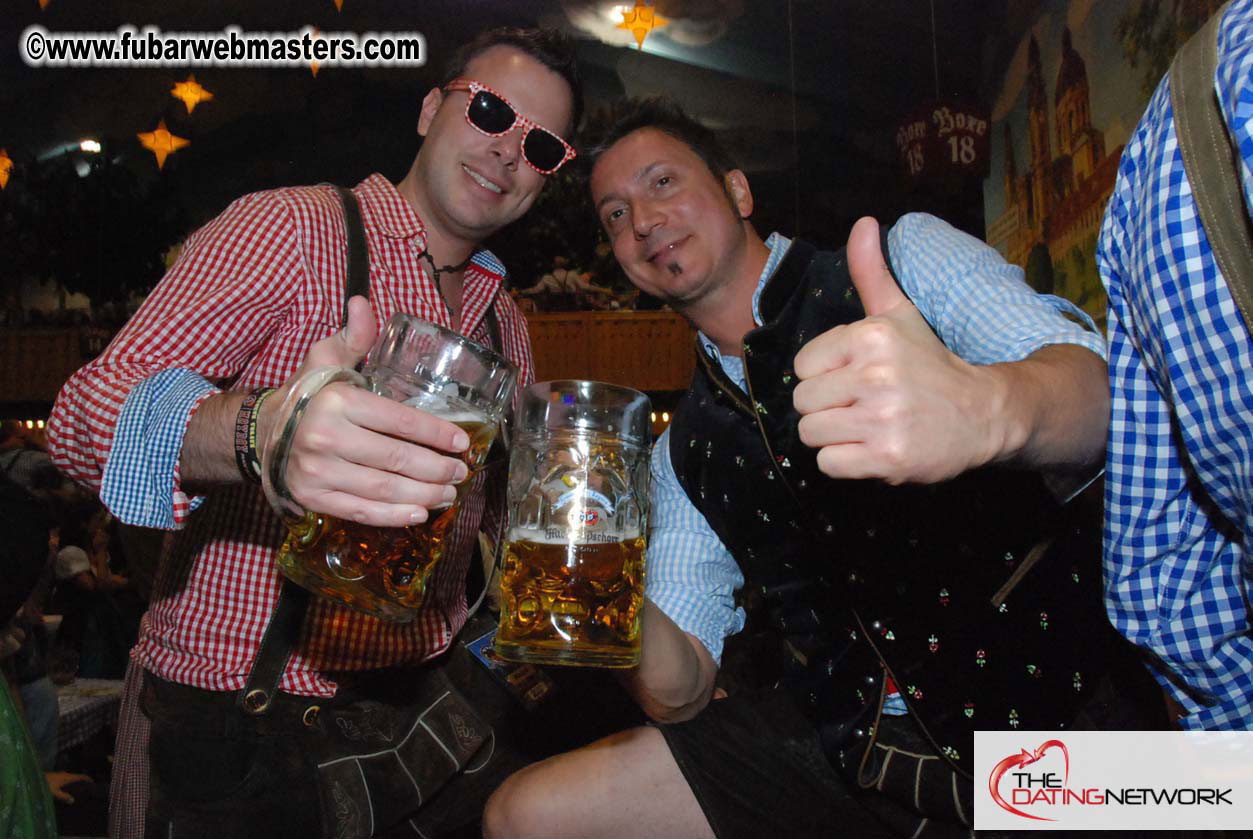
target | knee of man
x=567, y=795
x=514, y=809
x=496, y=814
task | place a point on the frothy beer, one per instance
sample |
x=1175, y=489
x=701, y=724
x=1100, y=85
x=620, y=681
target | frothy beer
x=382, y=571
x=558, y=596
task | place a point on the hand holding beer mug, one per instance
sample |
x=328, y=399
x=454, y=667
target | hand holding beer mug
x=573, y=582
x=377, y=570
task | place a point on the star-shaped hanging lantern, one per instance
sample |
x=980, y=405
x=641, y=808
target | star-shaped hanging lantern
x=191, y=93
x=43, y=4
x=339, y=5
x=6, y=166
x=641, y=20
x=162, y=143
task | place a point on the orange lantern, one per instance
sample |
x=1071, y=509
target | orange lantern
x=191, y=93
x=6, y=166
x=162, y=143
x=641, y=20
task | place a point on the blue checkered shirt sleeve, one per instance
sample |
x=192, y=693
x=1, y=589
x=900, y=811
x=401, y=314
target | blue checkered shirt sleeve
x=140, y=477
x=1177, y=570
x=978, y=303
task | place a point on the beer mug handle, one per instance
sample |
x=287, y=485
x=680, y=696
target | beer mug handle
x=277, y=449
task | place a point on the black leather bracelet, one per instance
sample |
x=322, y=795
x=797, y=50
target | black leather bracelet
x=246, y=457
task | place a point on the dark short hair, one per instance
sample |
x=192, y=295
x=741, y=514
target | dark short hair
x=663, y=114
x=550, y=47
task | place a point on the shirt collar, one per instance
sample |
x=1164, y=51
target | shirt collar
x=393, y=216
x=391, y=213
x=778, y=245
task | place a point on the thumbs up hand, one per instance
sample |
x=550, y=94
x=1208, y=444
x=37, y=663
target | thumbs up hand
x=883, y=397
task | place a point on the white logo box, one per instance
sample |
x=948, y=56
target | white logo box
x=1113, y=780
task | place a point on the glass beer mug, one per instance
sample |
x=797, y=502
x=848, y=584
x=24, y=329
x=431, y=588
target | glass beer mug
x=572, y=585
x=378, y=570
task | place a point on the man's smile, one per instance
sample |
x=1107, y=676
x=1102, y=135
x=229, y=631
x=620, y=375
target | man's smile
x=483, y=181
x=666, y=250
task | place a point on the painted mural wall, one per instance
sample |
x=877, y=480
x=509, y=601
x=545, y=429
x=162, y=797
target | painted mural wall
x=1069, y=97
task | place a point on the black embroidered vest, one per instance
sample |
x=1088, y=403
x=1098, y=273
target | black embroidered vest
x=980, y=596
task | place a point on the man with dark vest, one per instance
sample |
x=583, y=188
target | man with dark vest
x=840, y=462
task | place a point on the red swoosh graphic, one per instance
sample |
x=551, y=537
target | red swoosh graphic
x=1024, y=758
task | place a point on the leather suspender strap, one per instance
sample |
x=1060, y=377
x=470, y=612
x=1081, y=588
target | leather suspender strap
x=359, y=263
x=1212, y=162
x=358, y=283
x=283, y=630
x=277, y=643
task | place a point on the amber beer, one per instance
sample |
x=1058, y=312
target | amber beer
x=382, y=571
x=559, y=597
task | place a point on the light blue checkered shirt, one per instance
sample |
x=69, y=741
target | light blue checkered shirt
x=979, y=306
x=1180, y=357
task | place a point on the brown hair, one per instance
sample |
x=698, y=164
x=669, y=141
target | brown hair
x=550, y=47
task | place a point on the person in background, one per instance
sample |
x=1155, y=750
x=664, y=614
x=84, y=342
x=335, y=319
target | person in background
x=1179, y=459
x=74, y=596
x=27, y=463
x=30, y=664
x=103, y=561
x=124, y=608
x=26, y=789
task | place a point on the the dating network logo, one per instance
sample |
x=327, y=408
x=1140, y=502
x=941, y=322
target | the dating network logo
x=1028, y=787
x=1151, y=780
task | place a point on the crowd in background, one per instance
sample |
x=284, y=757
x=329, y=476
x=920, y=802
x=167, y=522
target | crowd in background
x=75, y=606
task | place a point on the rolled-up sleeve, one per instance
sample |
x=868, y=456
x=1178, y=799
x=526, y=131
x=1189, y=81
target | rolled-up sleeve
x=980, y=305
x=118, y=423
x=140, y=485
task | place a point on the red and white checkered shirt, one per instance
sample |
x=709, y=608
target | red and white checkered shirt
x=251, y=292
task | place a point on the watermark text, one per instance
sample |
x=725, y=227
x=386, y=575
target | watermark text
x=231, y=47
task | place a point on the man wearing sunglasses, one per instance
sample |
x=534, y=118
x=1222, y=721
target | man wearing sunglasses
x=816, y=366
x=256, y=298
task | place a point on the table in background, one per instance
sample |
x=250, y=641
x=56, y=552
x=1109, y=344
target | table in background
x=86, y=706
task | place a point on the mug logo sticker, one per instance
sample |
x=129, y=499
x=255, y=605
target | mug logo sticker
x=589, y=495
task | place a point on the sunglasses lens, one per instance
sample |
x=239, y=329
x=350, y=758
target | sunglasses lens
x=489, y=113
x=543, y=149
